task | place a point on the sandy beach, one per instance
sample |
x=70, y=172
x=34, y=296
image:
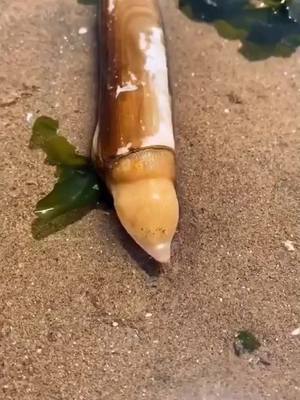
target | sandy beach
x=83, y=314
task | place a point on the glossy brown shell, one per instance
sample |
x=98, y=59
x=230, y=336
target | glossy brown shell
x=128, y=108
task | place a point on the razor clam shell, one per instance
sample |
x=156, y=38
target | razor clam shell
x=135, y=110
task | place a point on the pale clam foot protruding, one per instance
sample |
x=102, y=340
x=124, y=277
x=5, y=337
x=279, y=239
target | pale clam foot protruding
x=160, y=252
x=148, y=210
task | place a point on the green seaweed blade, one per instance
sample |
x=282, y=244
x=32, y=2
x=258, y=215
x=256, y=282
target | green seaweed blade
x=58, y=150
x=75, y=189
x=77, y=186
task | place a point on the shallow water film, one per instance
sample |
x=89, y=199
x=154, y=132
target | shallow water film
x=264, y=28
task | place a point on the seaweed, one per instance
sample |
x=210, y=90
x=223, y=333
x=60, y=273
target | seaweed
x=78, y=188
x=245, y=342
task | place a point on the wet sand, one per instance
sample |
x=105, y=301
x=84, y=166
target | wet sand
x=83, y=316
